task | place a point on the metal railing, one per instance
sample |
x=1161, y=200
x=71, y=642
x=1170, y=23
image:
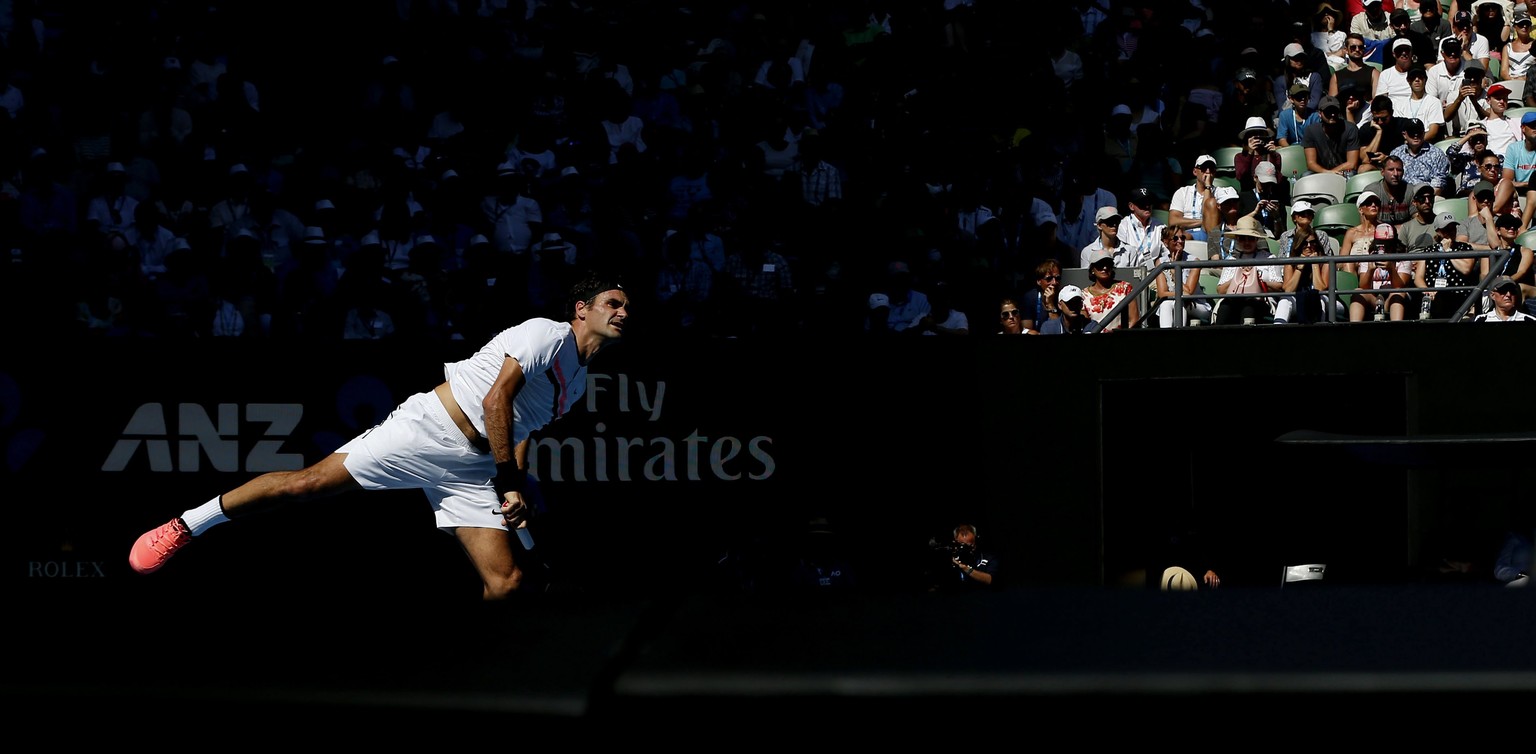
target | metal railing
x=1496, y=257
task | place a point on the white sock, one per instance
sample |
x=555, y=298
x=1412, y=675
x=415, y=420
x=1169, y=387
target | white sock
x=205, y=516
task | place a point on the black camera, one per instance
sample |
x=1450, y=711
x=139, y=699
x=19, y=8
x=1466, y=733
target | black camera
x=950, y=548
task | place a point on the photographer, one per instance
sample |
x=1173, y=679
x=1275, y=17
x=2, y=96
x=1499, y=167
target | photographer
x=967, y=567
x=1258, y=141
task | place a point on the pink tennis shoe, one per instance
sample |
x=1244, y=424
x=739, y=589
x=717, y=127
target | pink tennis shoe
x=158, y=545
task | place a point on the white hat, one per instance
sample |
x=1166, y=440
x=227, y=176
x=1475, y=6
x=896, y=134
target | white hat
x=238, y=167
x=1256, y=123
x=314, y=234
x=1202, y=159
x=1100, y=255
x=553, y=240
x=1293, y=49
x=371, y=238
x=1120, y=110
x=877, y=300
x=425, y=238
x=1176, y=579
x=569, y=170
x=1402, y=42
x=1104, y=213
x=1364, y=195
x=1265, y=172
x=1300, y=206
x=1225, y=193
x=477, y=239
x=506, y=168
x=1445, y=220
x=181, y=243
x=1069, y=292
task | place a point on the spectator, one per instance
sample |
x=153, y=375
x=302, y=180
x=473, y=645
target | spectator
x=1187, y=283
x=1420, y=106
x=109, y=208
x=1039, y=303
x=1381, y=281
x=1293, y=121
x=1332, y=145
x=1109, y=222
x=1074, y=319
x=1382, y=135
x=907, y=305
x=1105, y=292
x=1448, y=274
x=1186, y=208
x=1140, y=244
x=1515, y=190
x=1267, y=200
x=1392, y=191
x=1307, y=282
x=1010, y=317
x=1258, y=142
x=1249, y=238
x=1356, y=74
x=1502, y=129
x=1417, y=233
x=1302, y=215
x=1393, y=80
x=1507, y=302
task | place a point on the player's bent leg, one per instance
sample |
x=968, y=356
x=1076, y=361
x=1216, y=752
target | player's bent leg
x=491, y=552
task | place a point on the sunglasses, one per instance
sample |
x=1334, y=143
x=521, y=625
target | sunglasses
x=1489, y=166
x=1111, y=220
x=1311, y=242
x=1354, y=47
x=1104, y=265
x=1050, y=277
x=1008, y=314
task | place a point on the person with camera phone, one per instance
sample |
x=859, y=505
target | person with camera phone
x=1258, y=142
x=966, y=567
x=1379, y=278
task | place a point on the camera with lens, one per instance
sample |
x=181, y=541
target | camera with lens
x=950, y=549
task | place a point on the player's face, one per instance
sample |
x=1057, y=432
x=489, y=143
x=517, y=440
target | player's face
x=608, y=312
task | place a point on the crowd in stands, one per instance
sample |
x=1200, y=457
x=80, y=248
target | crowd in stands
x=440, y=169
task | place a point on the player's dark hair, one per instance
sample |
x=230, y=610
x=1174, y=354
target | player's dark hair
x=588, y=287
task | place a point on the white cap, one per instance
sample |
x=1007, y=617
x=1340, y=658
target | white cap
x=1202, y=159
x=877, y=300
x=238, y=167
x=1224, y=193
x=1364, y=195
x=1402, y=42
x=1265, y=172
x=1293, y=49
x=477, y=239
x=371, y=238
x=1068, y=292
x=1301, y=206
x=1103, y=214
x=314, y=234
x=1120, y=110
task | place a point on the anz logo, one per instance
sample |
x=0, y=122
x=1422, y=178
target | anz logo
x=196, y=436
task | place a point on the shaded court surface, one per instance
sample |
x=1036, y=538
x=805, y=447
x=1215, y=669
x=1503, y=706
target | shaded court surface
x=249, y=665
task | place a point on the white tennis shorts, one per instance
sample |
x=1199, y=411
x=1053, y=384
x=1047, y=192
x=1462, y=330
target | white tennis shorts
x=418, y=447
